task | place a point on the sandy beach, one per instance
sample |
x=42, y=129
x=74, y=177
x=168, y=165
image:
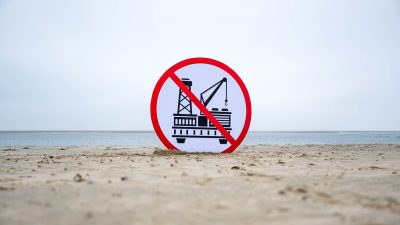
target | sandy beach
x=288, y=184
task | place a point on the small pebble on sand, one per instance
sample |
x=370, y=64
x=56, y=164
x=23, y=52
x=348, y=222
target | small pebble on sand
x=78, y=178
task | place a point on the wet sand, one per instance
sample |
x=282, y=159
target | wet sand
x=310, y=184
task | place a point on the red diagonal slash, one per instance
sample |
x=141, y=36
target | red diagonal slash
x=202, y=108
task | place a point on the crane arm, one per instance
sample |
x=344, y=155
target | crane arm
x=217, y=86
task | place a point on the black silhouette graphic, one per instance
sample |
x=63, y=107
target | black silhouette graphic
x=189, y=125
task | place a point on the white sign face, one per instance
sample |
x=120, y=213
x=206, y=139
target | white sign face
x=201, y=105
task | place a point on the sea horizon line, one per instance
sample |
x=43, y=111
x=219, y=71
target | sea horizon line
x=252, y=131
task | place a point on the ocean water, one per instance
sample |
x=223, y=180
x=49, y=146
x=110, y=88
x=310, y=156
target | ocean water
x=134, y=138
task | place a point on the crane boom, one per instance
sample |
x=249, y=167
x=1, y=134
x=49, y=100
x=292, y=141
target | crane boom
x=217, y=86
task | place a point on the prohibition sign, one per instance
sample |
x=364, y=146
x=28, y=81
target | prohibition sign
x=186, y=93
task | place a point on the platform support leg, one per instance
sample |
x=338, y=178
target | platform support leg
x=180, y=140
x=222, y=141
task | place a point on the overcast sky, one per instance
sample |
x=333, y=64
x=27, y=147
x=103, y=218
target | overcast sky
x=92, y=65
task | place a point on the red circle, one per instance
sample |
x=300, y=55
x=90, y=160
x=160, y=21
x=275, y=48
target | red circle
x=186, y=62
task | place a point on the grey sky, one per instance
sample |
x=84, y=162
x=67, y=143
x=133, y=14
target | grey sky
x=92, y=65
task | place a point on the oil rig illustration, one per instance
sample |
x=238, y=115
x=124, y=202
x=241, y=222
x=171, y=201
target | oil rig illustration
x=189, y=125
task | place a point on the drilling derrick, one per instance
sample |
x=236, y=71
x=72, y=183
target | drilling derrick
x=184, y=103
